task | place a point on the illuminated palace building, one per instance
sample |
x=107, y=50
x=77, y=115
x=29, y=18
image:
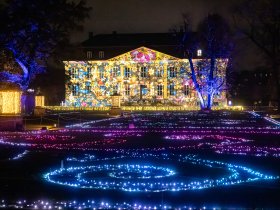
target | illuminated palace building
x=144, y=69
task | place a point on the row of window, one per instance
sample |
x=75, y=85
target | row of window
x=172, y=72
x=171, y=88
x=75, y=73
x=101, y=54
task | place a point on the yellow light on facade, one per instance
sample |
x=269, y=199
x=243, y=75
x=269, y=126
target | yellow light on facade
x=124, y=74
x=39, y=100
x=10, y=102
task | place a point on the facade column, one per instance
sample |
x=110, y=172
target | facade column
x=165, y=81
x=121, y=83
x=131, y=66
x=95, y=72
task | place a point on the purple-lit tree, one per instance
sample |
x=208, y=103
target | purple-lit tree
x=213, y=37
x=32, y=30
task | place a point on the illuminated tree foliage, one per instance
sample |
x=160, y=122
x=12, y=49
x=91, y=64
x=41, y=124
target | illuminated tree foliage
x=214, y=38
x=259, y=20
x=32, y=30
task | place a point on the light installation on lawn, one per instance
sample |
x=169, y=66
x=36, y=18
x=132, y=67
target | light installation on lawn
x=20, y=155
x=222, y=136
x=150, y=178
x=219, y=135
x=10, y=102
x=93, y=204
x=275, y=122
x=178, y=133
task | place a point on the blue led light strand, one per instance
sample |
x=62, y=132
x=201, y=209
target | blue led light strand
x=150, y=178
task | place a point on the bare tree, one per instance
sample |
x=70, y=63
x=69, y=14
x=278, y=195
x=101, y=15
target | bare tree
x=259, y=21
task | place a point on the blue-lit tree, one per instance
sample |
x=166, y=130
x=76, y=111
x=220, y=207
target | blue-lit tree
x=32, y=31
x=213, y=38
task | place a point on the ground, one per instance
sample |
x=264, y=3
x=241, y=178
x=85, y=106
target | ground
x=167, y=159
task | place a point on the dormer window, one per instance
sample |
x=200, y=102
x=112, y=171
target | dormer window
x=199, y=52
x=89, y=54
x=101, y=54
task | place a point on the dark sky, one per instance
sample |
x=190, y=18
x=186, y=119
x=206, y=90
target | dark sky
x=146, y=16
x=130, y=16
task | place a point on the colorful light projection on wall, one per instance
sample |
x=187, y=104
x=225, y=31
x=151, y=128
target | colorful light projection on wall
x=142, y=77
x=143, y=55
x=10, y=102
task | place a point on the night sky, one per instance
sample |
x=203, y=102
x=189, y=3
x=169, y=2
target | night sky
x=146, y=16
x=138, y=16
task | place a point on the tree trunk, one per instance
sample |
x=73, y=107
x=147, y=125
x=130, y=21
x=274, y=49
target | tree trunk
x=210, y=84
x=209, y=101
x=25, y=80
x=196, y=85
x=201, y=100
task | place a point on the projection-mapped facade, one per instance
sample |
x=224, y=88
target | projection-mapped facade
x=141, y=77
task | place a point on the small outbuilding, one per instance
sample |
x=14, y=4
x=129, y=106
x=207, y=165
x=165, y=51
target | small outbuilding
x=10, y=102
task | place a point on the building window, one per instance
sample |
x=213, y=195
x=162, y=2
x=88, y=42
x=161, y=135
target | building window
x=71, y=72
x=115, y=89
x=160, y=90
x=159, y=72
x=103, y=90
x=172, y=71
x=127, y=72
x=75, y=90
x=101, y=54
x=199, y=52
x=101, y=74
x=144, y=71
x=88, y=72
x=115, y=71
x=88, y=89
x=172, y=89
x=76, y=72
x=143, y=90
x=127, y=90
x=186, y=90
x=89, y=54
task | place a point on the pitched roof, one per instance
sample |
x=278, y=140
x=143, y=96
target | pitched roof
x=139, y=39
